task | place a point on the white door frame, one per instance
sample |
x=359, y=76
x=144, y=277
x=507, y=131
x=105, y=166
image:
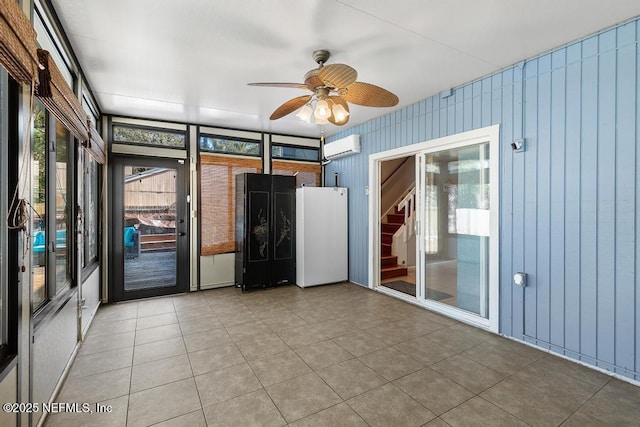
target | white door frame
x=489, y=134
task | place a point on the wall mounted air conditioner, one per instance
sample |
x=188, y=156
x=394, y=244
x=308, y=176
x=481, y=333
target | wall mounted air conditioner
x=343, y=147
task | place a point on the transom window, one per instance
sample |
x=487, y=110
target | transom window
x=287, y=152
x=124, y=134
x=218, y=144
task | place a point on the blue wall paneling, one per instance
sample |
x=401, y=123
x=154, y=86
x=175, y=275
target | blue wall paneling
x=568, y=204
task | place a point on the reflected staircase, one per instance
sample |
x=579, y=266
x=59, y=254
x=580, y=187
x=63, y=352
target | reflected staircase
x=389, y=266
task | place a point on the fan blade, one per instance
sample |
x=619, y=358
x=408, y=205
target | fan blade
x=312, y=80
x=338, y=100
x=290, y=106
x=337, y=75
x=291, y=85
x=369, y=95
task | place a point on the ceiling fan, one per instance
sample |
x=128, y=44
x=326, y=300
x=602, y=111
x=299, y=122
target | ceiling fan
x=333, y=87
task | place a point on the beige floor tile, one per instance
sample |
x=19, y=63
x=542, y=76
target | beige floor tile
x=212, y=359
x=323, y=354
x=436, y=392
x=157, y=333
x=286, y=331
x=469, y=374
x=617, y=403
x=253, y=409
x=528, y=404
x=115, y=312
x=420, y=326
x=279, y=367
x=339, y=415
x=389, y=406
x=192, y=419
x=96, y=388
x=156, y=320
x=155, y=306
x=351, y=378
x=237, y=318
x=200, y=325
x=335, y=328
x=157, y=350
x=390, y=363
x=393, y=333
x=436, y=422
x=504, y=358
x=248, y=330
x=359, y=343
x=552, y=364
x=370, y=319
x=206, y=339
x=99, y=343
x=581, y=419
x=161, y=403
x=164, y=371
x=283, y=321
x=225, y=384
x=556, y=384
x=262, y=346
x=302, y=396
x=193, y=313
x=315, y=315
x=301, y=335
x=101, y=362
x=459, y=337
x=424, y=350
x=478, y=412
x=117, y=417
x=112, y=327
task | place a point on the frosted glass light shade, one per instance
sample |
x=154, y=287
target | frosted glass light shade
x=305, y=113
x=322, y=110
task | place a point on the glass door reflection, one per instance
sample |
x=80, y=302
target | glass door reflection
x=150, y=251
x=456, y=227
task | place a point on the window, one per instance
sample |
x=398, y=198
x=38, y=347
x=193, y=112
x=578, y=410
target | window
x=7, y=257
x=91, y=201
x=52, y=227
x=145, y=136
x=39, y=185
x=215, y=144
x=295, y=153
x=307, y=174
x=217, y=198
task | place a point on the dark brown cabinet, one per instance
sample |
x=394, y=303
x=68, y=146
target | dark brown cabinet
x=265, y=230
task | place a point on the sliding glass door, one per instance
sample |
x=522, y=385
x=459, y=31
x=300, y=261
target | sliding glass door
x=454, y=271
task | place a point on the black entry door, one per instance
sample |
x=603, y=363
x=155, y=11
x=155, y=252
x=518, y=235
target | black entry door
x=149, y=228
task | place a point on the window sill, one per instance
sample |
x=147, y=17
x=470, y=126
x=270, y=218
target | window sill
x=49, y=310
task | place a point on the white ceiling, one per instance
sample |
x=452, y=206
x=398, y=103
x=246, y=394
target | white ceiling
x=190, y=61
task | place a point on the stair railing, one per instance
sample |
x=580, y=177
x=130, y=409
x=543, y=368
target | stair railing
x=408, y=203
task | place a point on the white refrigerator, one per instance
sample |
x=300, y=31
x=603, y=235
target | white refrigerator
x=321, y=236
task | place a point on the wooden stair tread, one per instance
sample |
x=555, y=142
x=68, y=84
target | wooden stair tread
x=395, y=267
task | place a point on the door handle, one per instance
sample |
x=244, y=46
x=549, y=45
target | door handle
x=182, y=233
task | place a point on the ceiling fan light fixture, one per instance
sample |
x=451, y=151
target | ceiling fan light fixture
x=305, y=113
x=322, y=110
x=339, y=113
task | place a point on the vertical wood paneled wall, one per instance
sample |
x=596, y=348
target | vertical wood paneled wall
x=568, y=205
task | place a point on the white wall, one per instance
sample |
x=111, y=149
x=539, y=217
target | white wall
x=217, y=271
x=53, y=346
x=91, y=295
x=8, y=393
x=397, y=184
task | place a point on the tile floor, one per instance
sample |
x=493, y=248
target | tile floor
x=332, y=355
